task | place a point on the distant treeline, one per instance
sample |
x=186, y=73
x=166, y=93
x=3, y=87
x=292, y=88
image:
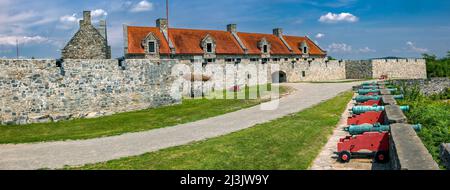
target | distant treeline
x=437, y=67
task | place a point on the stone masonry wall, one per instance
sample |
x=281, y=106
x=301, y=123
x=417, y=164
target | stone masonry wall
x=361, y=69
x=87, y=43
x=399, y=68
x=314, y=71
x=34, y=91
x=222, y=75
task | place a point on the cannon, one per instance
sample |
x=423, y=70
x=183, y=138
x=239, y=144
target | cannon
x=369, y=83
x=370, y=87
x=363, y=109
x=360, y=129
x=366, y=91
x=362, y=98
x=374, y=87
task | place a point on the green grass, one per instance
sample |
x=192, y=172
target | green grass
x=190, y=110
x=291, y=142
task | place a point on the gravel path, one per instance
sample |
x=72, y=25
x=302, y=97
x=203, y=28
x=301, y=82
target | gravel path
x=74, y=153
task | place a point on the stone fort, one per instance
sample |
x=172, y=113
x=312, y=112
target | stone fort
x=87, y=83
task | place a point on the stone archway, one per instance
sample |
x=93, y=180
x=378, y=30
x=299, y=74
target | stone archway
x=279, y=77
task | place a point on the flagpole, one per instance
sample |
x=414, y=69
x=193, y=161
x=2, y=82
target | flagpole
x=168, y=35
x=17, y=48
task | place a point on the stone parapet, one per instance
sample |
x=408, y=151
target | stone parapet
x=407, y=150
x=34, y=91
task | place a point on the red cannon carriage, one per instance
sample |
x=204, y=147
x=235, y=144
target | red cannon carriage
x=376, y=142
x=368, y=117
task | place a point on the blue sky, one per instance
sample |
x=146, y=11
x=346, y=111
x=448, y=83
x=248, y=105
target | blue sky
x=348, y=29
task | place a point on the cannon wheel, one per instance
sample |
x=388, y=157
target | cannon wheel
x=382, y=156
x=344, y=156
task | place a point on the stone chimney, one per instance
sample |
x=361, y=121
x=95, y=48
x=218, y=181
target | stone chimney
x=102, y=29
x=86, y=18
x=161, y=23
x=232, y=28
x=278, y=32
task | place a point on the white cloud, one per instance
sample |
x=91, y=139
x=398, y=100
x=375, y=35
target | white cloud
x=337, y=18
x=412, y=47
x=339, y=48
x=142, y=6
x=69, y=19
x=320, y=35
x=11, y=40
x=366, y=50
x=99, y=13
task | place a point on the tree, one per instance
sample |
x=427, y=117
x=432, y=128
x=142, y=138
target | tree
x=331, y=58
x=448, y=54
x=429, y=57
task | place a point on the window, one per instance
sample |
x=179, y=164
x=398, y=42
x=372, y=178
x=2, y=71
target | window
x=264, y=60
x=286, y=59
x=238, y=60
x=228, y=60
x=303, y=73
x=210, y=60
x=151, y=47
x=254, y=59
x=305, y=50
x=209, y=48
x=276, y=59
x=265, y=49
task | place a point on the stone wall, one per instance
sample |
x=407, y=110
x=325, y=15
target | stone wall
x=399, y=68
x=358, y=69
x=88, y=42
x=427, y=86
x=444, y=154
x=40, y=91
x=314, y=71
x=222, y=75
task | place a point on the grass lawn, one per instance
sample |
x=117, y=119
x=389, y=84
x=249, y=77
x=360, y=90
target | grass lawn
x=291, y=142
x=190, y=110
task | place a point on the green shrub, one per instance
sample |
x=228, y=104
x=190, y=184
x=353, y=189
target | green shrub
x=432, y=112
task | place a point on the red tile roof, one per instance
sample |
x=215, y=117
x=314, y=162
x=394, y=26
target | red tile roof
x=295, y=41
x=188, y=41
x=136, y=34
x=251, y=40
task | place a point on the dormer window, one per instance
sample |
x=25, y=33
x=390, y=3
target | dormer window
x=151, y=47
x=304, y=48
x=209, y=48
x=208, y=45
x=264, y=46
